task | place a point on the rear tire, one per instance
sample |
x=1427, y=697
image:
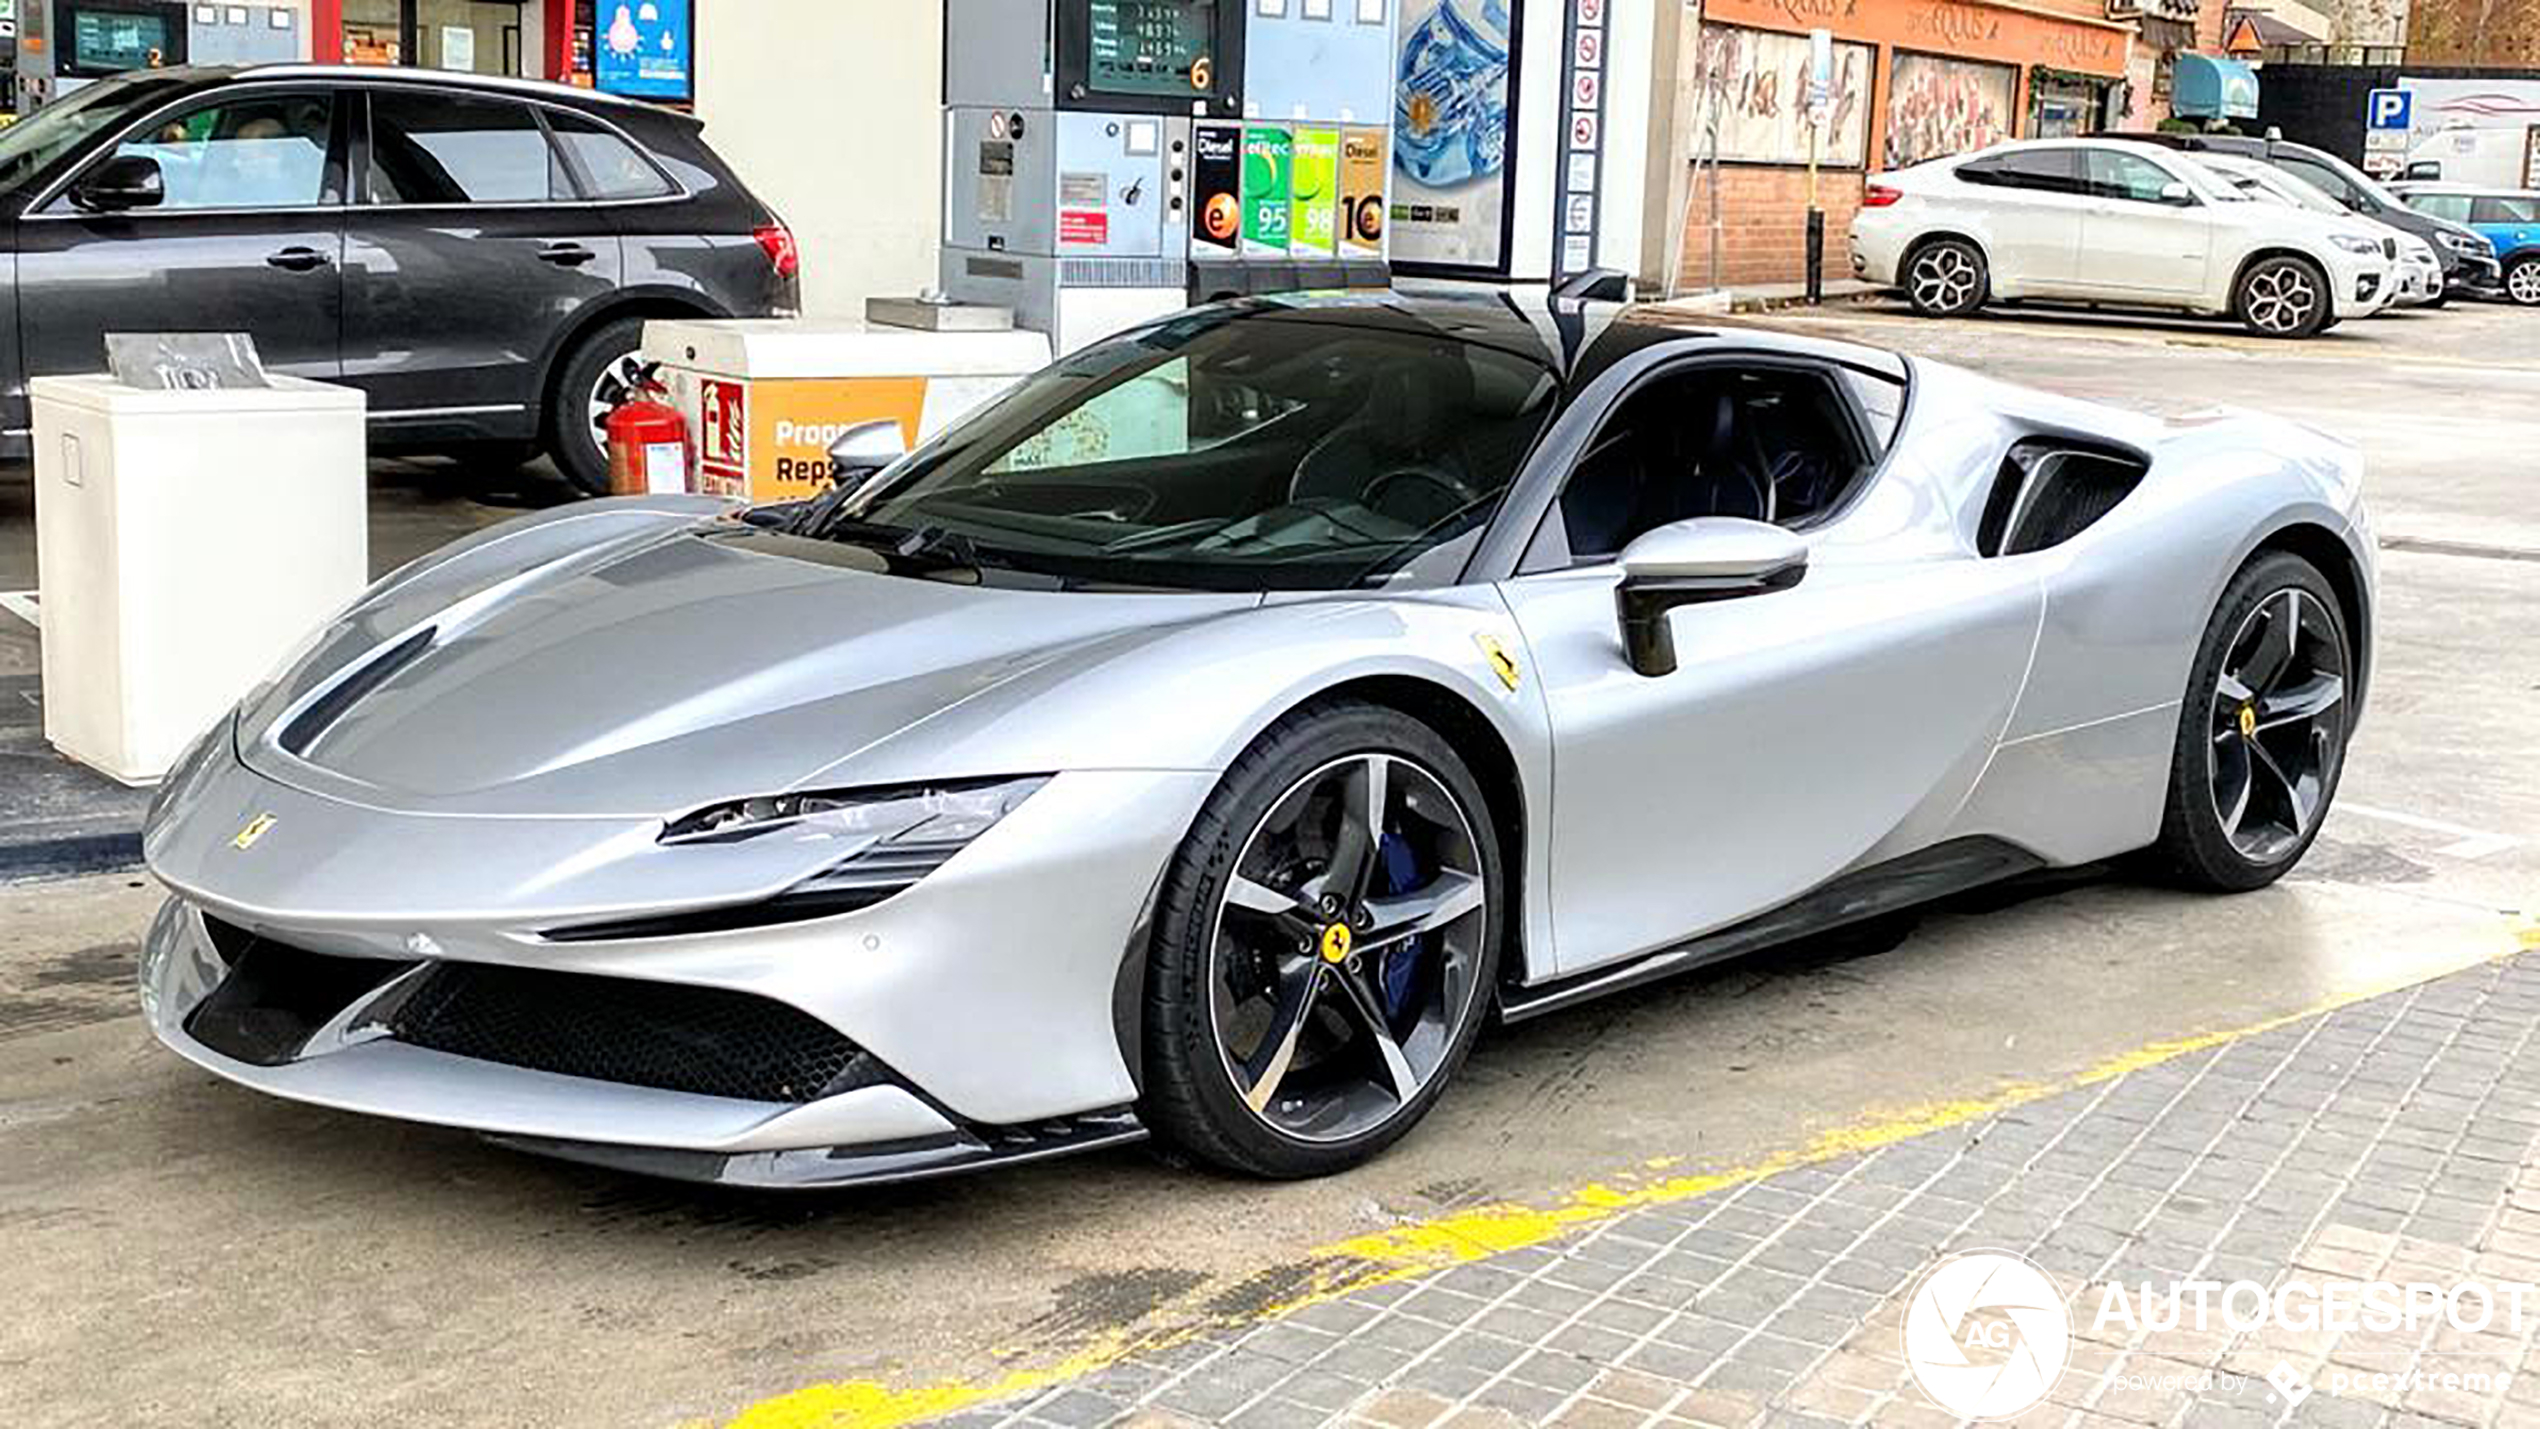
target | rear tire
x=1276, y=1045
x=593, y=376
x=2261, y=733
x=2282, y=296
x=1947, y=278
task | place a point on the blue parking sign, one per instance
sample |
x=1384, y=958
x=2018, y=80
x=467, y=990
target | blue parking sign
x=2388, y=109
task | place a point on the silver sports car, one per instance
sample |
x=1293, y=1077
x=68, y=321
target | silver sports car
x=1211, y=734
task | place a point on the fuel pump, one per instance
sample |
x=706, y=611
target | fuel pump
x=1115, y=160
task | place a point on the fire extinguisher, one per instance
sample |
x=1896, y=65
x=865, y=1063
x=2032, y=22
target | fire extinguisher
x=648, y=442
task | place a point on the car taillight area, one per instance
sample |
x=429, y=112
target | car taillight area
x=1880, y=196
x=783, y=254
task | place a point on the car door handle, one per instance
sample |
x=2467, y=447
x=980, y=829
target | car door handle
x=299, y=260
x=566, y=255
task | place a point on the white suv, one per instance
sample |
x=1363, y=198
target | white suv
x=2105, y=221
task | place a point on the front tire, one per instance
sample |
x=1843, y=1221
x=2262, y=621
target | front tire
x=1326, y=945
x=594, y=377
x=1947, y=278
x=2262, y=731
x=2522, y=281
x=2282, y=296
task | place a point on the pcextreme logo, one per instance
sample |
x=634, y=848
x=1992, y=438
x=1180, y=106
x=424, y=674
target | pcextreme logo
x=1987, y=1334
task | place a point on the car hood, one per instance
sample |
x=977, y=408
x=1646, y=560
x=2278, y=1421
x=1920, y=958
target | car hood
x=674, y=664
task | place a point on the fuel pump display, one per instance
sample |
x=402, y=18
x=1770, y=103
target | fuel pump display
x=1151, y=46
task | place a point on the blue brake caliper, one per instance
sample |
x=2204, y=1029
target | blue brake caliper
x=1401, y=870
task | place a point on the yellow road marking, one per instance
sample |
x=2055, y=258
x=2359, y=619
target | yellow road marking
x=1421, y=1247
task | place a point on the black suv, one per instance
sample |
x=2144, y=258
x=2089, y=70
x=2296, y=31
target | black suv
x=477, y=255
x=2469, y=260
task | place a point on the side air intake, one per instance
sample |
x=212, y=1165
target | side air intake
x=2050, y=491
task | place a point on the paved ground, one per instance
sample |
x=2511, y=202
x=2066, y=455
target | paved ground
x=205, y=1256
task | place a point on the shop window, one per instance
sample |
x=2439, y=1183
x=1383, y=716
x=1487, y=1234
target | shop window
x=610, y=167
x=266, y=152
x=447, y=149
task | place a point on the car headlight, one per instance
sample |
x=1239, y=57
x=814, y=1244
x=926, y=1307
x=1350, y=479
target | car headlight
x=949, y=813
x=2353, y=244
x=2468, y=245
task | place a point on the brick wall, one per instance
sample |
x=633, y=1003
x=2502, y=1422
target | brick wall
x=1763, y=225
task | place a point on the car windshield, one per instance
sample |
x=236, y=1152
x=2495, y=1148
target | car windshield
x=1226, y=451
x=30, y=146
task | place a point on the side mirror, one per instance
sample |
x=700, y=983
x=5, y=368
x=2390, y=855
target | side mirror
x=126, y=181
x=864, y=449
x=2177, y=194
x=1690, y=562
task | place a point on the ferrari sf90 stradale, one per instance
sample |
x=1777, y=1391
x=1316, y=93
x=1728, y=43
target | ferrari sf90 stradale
x=1209, y=735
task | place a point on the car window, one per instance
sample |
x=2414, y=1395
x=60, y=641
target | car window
x=268, y=151
x=45, y=136
x=611, y=168
x=2320, y=176
x=2504, y=208
x=1769, y=444
x=2452, y=206
x=449, y=149
x=2118, y=175
x=2036, y=170
x=1229, y=452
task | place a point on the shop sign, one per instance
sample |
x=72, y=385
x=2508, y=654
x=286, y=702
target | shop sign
x=1451, y=175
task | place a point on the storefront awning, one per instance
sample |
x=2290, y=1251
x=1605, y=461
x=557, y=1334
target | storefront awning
x=2213, y=87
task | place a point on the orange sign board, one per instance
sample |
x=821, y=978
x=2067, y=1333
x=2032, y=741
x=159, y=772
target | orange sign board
x=1962, y=29
x=768, y=441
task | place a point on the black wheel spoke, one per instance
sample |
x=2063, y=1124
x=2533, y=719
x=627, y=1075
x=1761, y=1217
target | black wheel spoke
x=1363, y=800
x=1448, y=897
x=1268, y=1066
x=2278, y=724
x=1391, y=1064
x=2300, y=703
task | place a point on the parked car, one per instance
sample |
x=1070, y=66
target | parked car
x=2469, y=261
x=1025, y=797
x=2507, y=218
x=477, y=255
x=2106, y=222
x=2419, y=274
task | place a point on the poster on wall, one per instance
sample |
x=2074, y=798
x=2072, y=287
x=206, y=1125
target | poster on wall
x=1451, y=159
x=1760, y=80
x=647, y=50
x=1938, y=107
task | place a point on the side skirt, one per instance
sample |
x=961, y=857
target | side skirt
x=1919, y=877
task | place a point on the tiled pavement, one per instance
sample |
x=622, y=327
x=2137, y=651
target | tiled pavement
x=2389, y=1140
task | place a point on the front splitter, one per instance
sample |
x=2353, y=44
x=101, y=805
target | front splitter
x=813, y=1168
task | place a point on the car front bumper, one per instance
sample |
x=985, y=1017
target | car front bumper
x=986, y=1002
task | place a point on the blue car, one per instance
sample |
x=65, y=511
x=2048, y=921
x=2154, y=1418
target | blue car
x=2508, y=218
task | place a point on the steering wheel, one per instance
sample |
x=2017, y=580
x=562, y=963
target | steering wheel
x=1460, y=493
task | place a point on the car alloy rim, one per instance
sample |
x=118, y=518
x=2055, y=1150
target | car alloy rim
x=2524, y=282
x=616, y=382
x=1345, y=945
x=2282, y=297
x=1944, y=277
x=2278, y=724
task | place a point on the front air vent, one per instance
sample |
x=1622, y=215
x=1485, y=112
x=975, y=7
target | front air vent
x=2050, y=490
x=276, y=997
x=313, y=721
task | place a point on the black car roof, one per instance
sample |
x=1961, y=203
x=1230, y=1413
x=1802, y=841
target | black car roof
x=1576, y=339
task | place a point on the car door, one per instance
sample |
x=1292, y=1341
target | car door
x=2142, y=236
x=1799, y=733
x=467, y=252
x=247, y=237
x=2030, y=201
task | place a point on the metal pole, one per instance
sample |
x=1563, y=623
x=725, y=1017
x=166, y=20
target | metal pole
x=1816, y=226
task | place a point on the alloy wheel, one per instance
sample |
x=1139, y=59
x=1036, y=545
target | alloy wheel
x=1944, y=278
x=2278, y=724
x=1346, y=945
x=616, y=381
x=2282, y=297
x=2523, y=282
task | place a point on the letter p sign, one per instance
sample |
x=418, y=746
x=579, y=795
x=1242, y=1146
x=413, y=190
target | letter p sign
x=2388, y=109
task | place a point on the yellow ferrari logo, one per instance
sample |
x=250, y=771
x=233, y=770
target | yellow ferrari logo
x=1336, y=941
x=2248, y=721
x=1502, y=663
x=257, y=828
